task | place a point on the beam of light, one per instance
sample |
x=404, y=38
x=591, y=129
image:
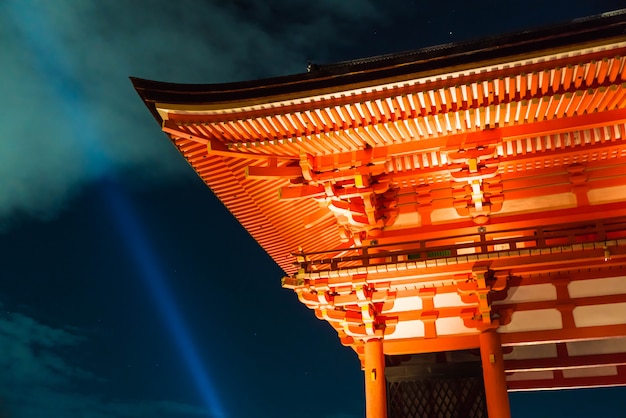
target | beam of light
x=155, y=281
x=53, y=63
x=53, y=60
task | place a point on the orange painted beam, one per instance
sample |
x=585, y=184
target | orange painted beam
x=174, y=130
x=298, y=192
x=434, y=345
x=213, y=146
x=283, y=172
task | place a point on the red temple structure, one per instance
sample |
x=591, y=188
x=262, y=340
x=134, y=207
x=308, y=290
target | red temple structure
x=457, y=213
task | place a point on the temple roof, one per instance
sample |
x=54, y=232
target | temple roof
x=297, y=144
x=407, y=65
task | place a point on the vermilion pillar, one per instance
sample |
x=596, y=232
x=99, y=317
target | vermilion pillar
x=375, y=385
x=493, y=375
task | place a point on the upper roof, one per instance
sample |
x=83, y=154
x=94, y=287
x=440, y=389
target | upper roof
x=296, y=157
x=441, y=59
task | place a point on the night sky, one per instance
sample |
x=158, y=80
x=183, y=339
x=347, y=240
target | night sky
x=126, y=288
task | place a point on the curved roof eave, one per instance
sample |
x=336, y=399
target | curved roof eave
x=433, y=60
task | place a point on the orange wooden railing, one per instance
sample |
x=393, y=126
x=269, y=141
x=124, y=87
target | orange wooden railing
x=480, y=242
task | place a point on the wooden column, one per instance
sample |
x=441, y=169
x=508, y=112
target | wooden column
x=375, y=385
x=493, y=375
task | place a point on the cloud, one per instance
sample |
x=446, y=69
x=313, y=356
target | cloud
x=70, y=115
x=38, y=378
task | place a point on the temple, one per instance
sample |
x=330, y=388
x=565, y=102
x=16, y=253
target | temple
x=456, y=213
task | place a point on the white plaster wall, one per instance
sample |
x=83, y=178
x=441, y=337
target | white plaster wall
x=452, y=326
x=597, y=287
x=405, y=304
x=607, y=195
x=540, y=375
x=538, y=320
x=530, y=293
x=525, y=352
x=407, y=329
x=550, y=202
x=442, y=300
x=598, y=315
x=590, y=372
x=606, y=346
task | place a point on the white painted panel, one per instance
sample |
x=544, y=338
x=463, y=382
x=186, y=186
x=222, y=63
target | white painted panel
x=606, y=346
x=532, y=204
x=606, y=195
x=596, y=315
x=539, y=320
x=502, y=247
x=406, y=304
x=597, y=287
x=468, y=250
x=442, y=300
x=452, y=325
x=590, y=372
x=524, y=352
x=407, y=329
x=539, y=375
x=530, y=293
